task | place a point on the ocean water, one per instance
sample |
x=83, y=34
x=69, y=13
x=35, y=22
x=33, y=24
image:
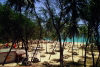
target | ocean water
x=76, y=39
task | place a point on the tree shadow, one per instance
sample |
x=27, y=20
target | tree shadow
x=72, y=64
x=52, y=53
x=56, y=60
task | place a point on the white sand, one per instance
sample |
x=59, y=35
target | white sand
x=56, y=55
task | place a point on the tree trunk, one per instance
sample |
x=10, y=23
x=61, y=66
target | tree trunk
x=64, y=43
x=72, y=50
x=83, y=47
x=86, y=46
x=26, y=48
x=17, y=43
x=35, y=51
x=22, y=45
x=98, y=57
x=8, y=53
x=61, y=50
x=92, y=55
x=46, y=47
x=77, y=42
x=85, y=52
x=85, y=56
x=52, y=50
x=98, y=44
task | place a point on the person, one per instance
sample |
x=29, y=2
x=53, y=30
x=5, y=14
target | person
x=6, y=45
x=14, y=46
x=80, y=45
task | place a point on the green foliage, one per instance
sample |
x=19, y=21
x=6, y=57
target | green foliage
x=15, y=26
x=83, y=30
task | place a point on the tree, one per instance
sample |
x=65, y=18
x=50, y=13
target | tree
x=72, y=32
x=92, y=16
x=83, y=30
x=56, y=21
x=13, y=26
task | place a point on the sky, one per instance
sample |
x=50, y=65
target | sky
x=2, y=1
x=38, y=5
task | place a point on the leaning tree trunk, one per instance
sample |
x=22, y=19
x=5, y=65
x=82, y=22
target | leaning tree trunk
x=35, y=51
x=52, y=50
x=8, y=53
x=40, y=32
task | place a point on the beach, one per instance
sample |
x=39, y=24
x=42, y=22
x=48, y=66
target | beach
x=49, y=53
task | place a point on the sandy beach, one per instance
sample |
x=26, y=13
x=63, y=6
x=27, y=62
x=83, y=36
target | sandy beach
x=44, y=55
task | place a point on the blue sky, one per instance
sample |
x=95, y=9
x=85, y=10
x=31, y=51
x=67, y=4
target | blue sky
x=2, y=1
x=38, y=5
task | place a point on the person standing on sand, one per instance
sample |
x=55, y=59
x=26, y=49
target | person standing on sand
x=14, y=46
x=6, y=45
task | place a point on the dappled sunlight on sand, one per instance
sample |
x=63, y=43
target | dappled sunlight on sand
x=54, y=58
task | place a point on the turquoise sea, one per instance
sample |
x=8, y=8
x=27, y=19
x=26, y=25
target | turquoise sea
x=76, y=39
